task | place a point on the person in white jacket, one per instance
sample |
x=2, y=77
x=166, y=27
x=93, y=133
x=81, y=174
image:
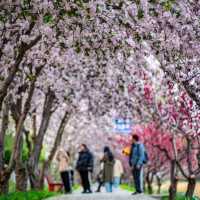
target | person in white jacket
x=63, y=159
x=118, y=171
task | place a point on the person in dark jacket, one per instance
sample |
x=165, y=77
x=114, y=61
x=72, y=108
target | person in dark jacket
x=84, y=166
x=136, y=161
x=108, y=170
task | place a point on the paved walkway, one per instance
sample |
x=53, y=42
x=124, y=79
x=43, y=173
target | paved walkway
x=117, y=195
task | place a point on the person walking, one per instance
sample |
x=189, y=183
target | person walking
x=118, y=171
x=137, y=159
x=100, y=176
x=108, y=170
x=63, y=159
x=85, y=166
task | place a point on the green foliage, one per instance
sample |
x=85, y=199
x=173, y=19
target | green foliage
x=73, y=12
x=140, y=14
x=31, y=195
x=9, y=142
x=168, y=4
x=48, y=18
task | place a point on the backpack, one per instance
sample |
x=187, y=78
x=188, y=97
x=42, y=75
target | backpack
x=146, y=157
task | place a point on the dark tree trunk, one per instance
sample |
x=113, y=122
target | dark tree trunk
x=19, y=128
x=4, y=181
x=22, y=50
x=149, y=182
x=4, y=177
x=191, y=187
x=4, y=126
x=21, y=177
x=34, y=159
x=174, y=181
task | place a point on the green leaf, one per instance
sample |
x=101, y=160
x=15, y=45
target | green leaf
x=140, y=14
x=48, y=18
x=73, y=12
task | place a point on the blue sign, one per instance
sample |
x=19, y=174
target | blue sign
x=123, y=125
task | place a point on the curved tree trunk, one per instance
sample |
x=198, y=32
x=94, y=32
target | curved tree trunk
x=191, y=187
x=174, y=181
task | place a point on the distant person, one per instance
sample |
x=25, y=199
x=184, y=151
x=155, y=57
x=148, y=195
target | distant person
x=118, y=171
x=138, y=157
x=63, y=159
x=108, y=170
x=71, y=168
x=84, y=166
x=100, y=176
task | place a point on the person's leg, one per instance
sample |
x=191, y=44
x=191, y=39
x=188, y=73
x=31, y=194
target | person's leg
x=116, y=182
x=138, y=180
x=142, y=179
x=66, y=181
x=111, y=187
x=82, y=175
x=107, y=186
x=72, y=177
x=87, y=181
x=135, y=180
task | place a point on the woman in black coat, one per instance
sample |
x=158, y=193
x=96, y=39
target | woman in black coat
x=84, y=166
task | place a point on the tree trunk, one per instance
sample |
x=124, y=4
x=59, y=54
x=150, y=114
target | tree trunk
x=191, y=187
x=159, y=184
x=19, y=128
x=57, y=142
x=174, y=181
x=20, y=169
x=4, y=179
x=149, y=184
x=21, y=177
x=4, y=182
x=35, y=155
x=22, y=50
x=4, y=126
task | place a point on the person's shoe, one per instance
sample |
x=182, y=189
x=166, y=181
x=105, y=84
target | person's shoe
x=89, y=192
x=84, y=192
x=135, y=193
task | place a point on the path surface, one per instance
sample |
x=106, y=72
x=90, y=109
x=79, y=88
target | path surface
x=117, y=195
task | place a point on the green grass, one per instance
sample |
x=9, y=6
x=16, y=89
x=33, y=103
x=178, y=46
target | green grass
x=127, y=188
x=30, y=195
x=76, y=187
x=182, y=197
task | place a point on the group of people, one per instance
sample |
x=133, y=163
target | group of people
x=111, y=168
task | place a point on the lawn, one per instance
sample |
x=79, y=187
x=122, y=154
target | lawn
x=182, y=187
x=181, y=190
x=30, y=195
x=181, y=197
